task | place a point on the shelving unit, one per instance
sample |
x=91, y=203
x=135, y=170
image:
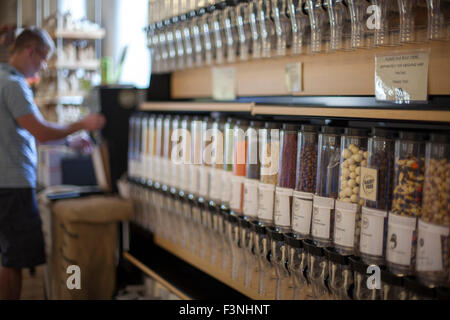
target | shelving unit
x=64, y=70
x=337, y=87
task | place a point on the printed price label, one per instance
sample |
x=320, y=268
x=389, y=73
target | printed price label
x=293, y=72
x=402, y=78
x=251, y=197
x=266, y=196
x=372, y=231
x=224, y=83
x=321, y=222
x=344, y=223
x=301, y=212
x=429, y=246
x=399, y=239
x=282, y=212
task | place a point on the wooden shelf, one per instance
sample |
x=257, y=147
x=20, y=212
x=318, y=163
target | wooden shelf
x=77, y=34
x=340, y=73
x=89, y=65
x=155, y=276
x=359, y=113
x=307, y=111
x=212, y=270
x=197, y=106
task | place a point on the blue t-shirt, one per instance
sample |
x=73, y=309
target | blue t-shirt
x=18, y=156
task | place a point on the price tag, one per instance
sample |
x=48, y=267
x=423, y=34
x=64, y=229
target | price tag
x=402, y=78
x=293, y=73
x=224, y=83
x=369, y=180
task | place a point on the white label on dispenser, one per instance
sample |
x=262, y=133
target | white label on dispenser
x=429, y=246
x=176, y=176
x=282, y=211
x=204, y=181
x=215, y=182
x=157, y=171
x=301, y=212
x=372, y=231
x=399, y=239
x=344, y=223
x=266, y=196
x=193, y=178
x=251, y=197
x=322, y=207
x=166, y=172
x=226, y=186
x=237, y=184
x=148, y=167
x=184, y=176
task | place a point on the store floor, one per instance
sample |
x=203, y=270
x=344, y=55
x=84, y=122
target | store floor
x=32, y=285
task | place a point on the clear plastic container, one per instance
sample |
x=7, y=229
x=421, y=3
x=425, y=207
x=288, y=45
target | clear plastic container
x=179, y=47
x=407, y=202
x=197, y=129
x=387, y=32
x=433, y=250
x=171, y=51
x=253, y=170
x=239, y=167
x=144, y=152
x=286, y=177
x=269, y=141
x=340, y=278
x=151, y=148
x=204, y=187
x=418, y=291
x=320, y=26
x=251, y=262
x=246, y=237
x=218, y=33
x=340, y=24
x=243, y=29
x=347, y=222
x=363, y=27
x=305, y=181
x=229, y=26
x=167, y=149
x=228, y=156
x=392, y=287
x=131, y=146
x=217, y=161
x=413, y=21
x=297, y=262
x=361, y=291
x=237, y=253
x=278, y=259
x=266, y=28
x=300, y=27
x=438, y=20
x=187, y=42
x=281, y=27
x=252, y=272
x=255, y=45
x=317, y=271
x=376, y=191
x=326, y=186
